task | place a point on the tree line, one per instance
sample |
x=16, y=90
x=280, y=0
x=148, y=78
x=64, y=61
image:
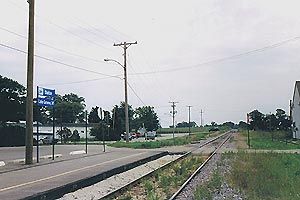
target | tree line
x=70, y=108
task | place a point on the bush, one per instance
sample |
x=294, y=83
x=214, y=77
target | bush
x=12, y=136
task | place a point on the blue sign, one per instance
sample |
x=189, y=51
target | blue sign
x=45, y=97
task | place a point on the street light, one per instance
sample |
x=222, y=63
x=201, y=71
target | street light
x=126, y=99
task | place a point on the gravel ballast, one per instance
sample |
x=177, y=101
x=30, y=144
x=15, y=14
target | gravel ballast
x=117, y=181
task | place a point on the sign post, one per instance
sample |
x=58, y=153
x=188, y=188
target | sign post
x=46, y=97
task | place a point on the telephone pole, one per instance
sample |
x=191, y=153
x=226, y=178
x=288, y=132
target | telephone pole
x=173, y=112
x=29, y=97
x=189, y=119
x=201, y=119
x=125, y=46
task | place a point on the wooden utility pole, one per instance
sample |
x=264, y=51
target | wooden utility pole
x=29, y=97
x=189, y=119
x=125, y=46
x=173, y=112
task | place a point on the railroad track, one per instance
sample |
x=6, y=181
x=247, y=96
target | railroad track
x=226, y=135
x=198, y=170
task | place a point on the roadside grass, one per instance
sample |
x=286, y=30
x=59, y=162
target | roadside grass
x=164, y=182
x=265, y=175
x=161, y=143
x=263, y=140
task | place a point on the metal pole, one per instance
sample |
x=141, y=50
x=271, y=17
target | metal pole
x=189, y=119
x=37, y=140
x=53, y=132
x=248, y=137
x=29, y=97
x=86, y=124
x=37, y=126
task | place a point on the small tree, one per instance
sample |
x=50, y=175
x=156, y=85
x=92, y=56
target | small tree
x=75, y=137
x=64, y=134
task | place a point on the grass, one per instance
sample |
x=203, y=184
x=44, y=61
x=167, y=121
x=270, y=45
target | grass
x=266, y=175
x=164, y=182
x=263, y=140
x=161, y=143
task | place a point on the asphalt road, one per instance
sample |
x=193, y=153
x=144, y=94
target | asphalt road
x=14, y=153
x=25, y=182
x=8, y=154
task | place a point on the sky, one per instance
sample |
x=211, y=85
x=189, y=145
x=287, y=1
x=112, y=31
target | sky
x=224, y=57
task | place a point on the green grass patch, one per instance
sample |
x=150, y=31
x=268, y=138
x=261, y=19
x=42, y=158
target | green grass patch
x=266, y=175
x=263, y=140
x=160, y=143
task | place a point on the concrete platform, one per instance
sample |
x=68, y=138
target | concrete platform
x=52, y=180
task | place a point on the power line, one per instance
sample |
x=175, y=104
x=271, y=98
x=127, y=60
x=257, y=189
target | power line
x=278, y=44
x=64, y=29
x=52, y=47
x=59, y=62
x=135, y=93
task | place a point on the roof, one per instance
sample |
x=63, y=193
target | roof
x=297, y=86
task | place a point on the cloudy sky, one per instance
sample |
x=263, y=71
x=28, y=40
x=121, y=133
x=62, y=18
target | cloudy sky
x=225, y=57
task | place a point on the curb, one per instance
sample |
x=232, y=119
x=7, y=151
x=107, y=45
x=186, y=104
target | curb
x=71, y=187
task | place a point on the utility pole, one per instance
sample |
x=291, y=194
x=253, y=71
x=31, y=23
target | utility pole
x=173, y=112
x=201, y=119
x=189, y=119
x=125, y=46
x=29, y=97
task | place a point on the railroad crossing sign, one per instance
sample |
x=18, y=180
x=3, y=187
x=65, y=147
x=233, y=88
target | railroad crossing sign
x=45, y=97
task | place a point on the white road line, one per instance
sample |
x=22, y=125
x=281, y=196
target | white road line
x=65, y=173
x=77, y=152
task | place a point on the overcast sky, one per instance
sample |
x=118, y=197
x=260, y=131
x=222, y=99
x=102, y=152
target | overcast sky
x=179, y=56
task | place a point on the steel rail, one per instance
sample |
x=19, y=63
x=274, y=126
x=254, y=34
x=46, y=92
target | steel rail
x=114, y=192
x=199, y=169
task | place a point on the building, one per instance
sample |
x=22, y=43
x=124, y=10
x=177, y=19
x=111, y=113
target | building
x=295, y=110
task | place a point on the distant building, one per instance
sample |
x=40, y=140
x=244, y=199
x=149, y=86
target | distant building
x=295, y=110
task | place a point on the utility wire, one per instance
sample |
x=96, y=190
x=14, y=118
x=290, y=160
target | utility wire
x=224, y=58
x=135, y=93
x=64, y=29
x=59, y=62
x=52, y=47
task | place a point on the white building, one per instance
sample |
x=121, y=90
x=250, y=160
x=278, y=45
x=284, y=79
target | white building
x=295, y=109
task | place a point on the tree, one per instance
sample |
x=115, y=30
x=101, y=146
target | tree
x=106, y=128
x=94, y=116
x=284, y=122
x=118, y=117
x=186, y=124
x=12, y=100
x=68, y=108
x=64, y=134
x=257, y=120
x=146, y=116
x=229, y=124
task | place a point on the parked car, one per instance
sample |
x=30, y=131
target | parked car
x=150, y=135
x=123, y=136
x=49, y=140
x=214, y=129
